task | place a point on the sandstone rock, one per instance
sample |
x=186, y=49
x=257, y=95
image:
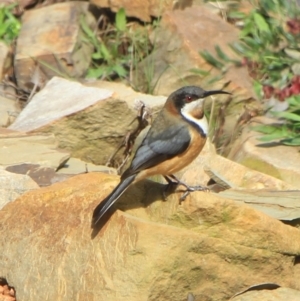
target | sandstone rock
x=41, y=175
x=279, y=294
x=177, y=46
x=143, y=9
x=51, y=104
x=228, y=174
x=280, y=161
x=8, y=110
x=35, y=149
x=90, y=122
x=5, y=59
x=13, y=185
x=154, y=251
x=51, y=38
x=76, y=166
x=281, y=204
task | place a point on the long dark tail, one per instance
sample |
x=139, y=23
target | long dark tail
x=111, y=199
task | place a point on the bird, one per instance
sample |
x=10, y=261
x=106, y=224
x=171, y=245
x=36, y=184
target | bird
x=175, y=138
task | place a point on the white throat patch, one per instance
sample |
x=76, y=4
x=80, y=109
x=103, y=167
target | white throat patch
x=186, y=112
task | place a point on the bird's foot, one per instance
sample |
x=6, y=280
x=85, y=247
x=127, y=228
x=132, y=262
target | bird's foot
x=173, y=182
x=190, y=189
x=169, y=188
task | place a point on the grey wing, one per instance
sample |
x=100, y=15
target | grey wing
x=158, y=147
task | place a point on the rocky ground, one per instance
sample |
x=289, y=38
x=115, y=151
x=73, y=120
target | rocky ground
x=62, y=149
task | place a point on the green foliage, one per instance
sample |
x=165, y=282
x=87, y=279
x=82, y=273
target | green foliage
x=288, y=132
x=117, y=48
x=269, y=48
x=9, y=24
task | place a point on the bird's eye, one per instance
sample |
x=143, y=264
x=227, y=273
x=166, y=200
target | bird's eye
x=188, y=99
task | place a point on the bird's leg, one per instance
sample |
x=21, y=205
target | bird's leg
x=170, y=187
x=189, y=189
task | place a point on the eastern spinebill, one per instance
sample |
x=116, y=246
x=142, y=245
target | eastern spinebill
x=174, y=140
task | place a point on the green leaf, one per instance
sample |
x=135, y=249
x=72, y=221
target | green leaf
x=105, y=52
x=221, y=54
x=236, y=15
x=261, y=23
x=287, y=115
x=294, y=100
x=121, y=19
x=265, y=129
x=257, y=86
x=96, y=72
x=97, y=56
x=199, y=71
x=120, y=70
x=211, y=60
x=292, y=141
x=271, y=137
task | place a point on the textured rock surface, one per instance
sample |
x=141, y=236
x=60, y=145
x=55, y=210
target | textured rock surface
x=13, y=185
x=153, y=251
x=279, y=294
x=143, y=9
x=90, y=122
x=177, y=44
x=8, y=109
x=76, y=166
x=280, y=161
x=35, y=149
x=208, y=165
x=51, y=37
x=5, y=59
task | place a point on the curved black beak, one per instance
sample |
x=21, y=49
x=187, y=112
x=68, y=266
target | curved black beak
x=213, y=92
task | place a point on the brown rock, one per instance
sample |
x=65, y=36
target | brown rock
x=5, y=59
x=143, y=9
x=13, y=185
x=177, y=46
x=35, y=149
x=279, y=294
x=279, y=161
x=76, y=166
x=90, y=122
x=228, y=174
x=154, y=251
x=9, y=109
x=51, y=38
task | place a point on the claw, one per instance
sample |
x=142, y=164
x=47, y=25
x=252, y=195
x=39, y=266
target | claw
x=173, y=182
x=190, y=189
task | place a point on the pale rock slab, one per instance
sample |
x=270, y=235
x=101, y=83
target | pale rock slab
x=34, y=149
x=156, y=250
x=51, y=38
x=279, y=161
x=58, y=99
x=13, y=185
x=88, y=121
x=76, y=166
x=229, y=174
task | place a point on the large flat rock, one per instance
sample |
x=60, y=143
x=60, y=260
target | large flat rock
x=31, y=149
x=89, y=121
x=151, y=250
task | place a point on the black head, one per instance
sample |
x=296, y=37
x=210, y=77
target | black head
x=188, y=94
